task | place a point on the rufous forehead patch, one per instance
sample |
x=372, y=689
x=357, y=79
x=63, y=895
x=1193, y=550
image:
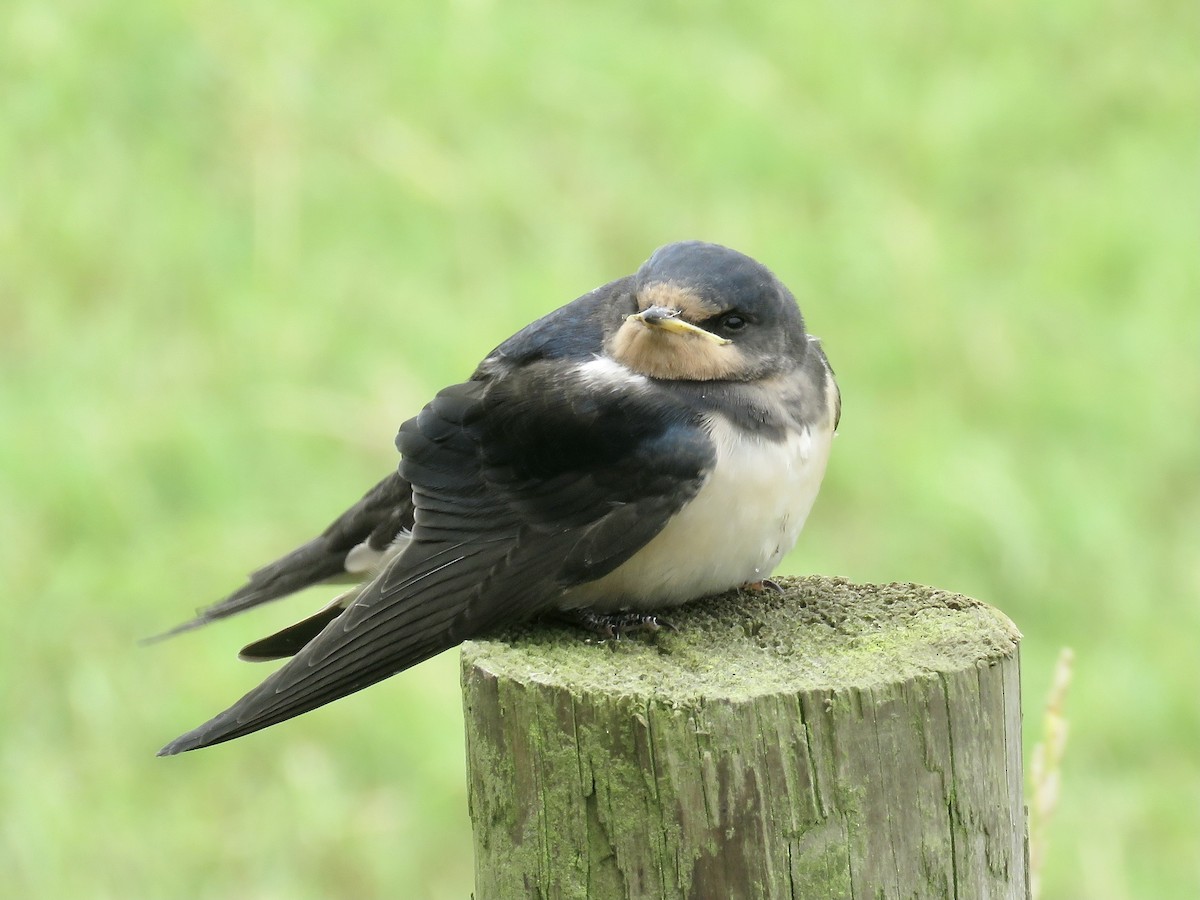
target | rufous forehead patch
x=692, y=307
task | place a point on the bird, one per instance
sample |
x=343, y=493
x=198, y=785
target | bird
x=658, y=440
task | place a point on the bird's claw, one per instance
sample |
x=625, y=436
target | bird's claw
x=614, y=626
x=760, y=587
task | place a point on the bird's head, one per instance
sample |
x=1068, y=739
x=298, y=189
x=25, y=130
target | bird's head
x=708, y=313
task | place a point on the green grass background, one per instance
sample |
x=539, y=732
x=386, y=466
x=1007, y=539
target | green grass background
x=240, y=243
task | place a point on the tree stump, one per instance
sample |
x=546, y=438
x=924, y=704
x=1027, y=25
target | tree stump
x=832, y=741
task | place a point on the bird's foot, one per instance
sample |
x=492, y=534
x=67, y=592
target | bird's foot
x=614, y=626
x=759, y=587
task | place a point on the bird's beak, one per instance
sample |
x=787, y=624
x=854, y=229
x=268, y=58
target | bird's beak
x=669, y=321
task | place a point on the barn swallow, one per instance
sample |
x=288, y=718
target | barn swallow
x=657, y=440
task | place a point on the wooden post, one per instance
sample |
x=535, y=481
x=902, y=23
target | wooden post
x=835, y=741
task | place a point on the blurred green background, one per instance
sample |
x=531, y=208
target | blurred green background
x=240, y=243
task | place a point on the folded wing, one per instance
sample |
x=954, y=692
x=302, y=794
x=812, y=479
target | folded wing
x=521, y=488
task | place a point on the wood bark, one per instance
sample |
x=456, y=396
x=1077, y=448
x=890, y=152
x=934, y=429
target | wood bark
x=835, y=741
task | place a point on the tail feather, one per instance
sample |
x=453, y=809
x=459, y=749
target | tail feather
x=291, y=640
x=374, y=523
x=303, y=567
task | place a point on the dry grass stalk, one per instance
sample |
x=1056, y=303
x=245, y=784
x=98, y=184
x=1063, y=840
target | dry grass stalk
x=1045, y=768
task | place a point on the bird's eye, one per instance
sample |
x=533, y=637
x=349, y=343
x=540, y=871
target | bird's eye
x=732, y=322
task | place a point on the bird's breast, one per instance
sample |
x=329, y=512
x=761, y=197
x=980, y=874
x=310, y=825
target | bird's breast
x=746, y=516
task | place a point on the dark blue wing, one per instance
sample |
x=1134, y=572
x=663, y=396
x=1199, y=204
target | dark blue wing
x=522, y=487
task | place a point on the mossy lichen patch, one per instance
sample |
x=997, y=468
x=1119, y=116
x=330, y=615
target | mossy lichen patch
x=820, y=633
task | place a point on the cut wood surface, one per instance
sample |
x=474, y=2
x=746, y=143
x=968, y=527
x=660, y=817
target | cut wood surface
x=833, y=741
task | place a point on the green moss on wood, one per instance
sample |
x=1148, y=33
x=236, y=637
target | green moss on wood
x=821, y=633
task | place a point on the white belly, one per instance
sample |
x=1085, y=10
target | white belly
x=739, y=526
